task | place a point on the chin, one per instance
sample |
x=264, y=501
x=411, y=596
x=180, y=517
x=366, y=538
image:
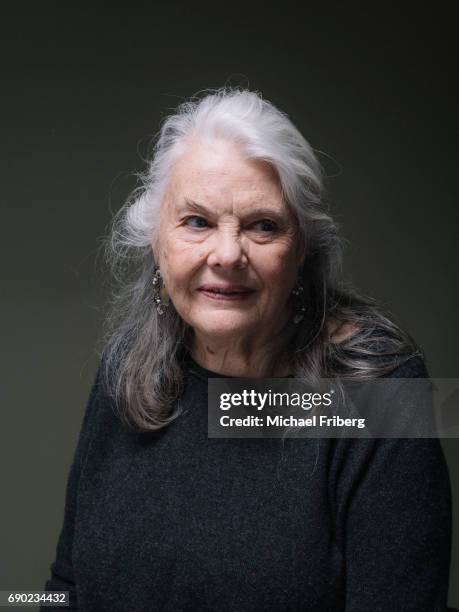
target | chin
x=223, y=324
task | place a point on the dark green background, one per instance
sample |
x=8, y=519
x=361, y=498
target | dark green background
x=83, y=91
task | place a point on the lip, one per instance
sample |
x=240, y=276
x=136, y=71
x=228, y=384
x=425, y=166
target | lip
x=227, y=297
x=225, y=292
x=225, y=288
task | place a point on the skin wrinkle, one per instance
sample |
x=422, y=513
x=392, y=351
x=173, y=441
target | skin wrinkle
x=231, y=249
x=213, y=180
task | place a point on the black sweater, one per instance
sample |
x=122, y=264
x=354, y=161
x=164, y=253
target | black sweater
x=176, y=521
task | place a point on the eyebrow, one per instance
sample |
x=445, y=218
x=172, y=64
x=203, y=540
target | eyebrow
x=200, y=208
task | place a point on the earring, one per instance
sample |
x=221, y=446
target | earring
x=298, y=292
x=160, y=295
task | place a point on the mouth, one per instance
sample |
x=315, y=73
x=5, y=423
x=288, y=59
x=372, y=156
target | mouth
x=226, y=293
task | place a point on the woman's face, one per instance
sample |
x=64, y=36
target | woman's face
x=228, y=248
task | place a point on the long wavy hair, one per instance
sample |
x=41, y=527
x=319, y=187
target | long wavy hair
x=143, y=355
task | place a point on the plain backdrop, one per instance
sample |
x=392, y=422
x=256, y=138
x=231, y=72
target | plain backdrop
x=84, y=89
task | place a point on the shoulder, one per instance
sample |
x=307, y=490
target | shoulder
x=100, y=406
x=375, y=348
x=413, y=367
x=339, y=331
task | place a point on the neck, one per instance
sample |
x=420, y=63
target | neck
x=239, y=359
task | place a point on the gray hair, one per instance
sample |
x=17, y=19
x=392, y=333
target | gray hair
x=143, y=352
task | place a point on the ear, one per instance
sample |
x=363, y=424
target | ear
x=155, y=250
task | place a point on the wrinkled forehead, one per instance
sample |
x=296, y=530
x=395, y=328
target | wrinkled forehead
x=220, y=176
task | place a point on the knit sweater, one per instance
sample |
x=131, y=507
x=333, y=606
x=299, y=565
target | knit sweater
x=177, y=521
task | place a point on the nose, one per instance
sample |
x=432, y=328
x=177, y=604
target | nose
x=227, y=251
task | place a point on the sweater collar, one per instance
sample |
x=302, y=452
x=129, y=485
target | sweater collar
x=202, y=373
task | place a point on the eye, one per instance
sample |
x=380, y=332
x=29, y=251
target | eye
x=196, y=222
x=266, y=225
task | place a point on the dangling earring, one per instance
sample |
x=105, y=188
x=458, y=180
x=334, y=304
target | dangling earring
x=298, y=292
x=160, y=295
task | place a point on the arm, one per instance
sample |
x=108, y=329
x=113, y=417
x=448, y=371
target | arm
x=62, y=576
x=398, y=528
x=393, y=516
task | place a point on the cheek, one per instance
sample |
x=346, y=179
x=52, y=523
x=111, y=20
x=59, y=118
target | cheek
x=282, y=267
x=180, y=269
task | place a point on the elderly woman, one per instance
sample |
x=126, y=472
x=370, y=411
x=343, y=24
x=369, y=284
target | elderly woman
x=227, y=264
